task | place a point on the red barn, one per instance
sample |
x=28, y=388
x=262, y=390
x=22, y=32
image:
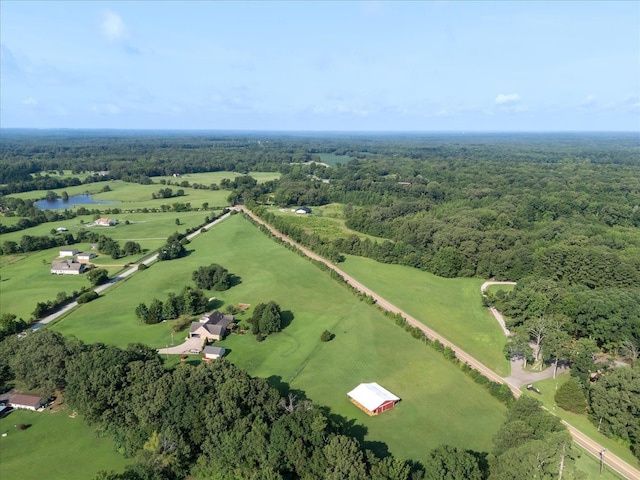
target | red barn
x=372, y=398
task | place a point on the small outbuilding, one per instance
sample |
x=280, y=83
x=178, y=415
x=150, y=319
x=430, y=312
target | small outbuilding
x=85, y=257
x=372, y=398
x=303, y=210
x=213, y=353
x=68, y=252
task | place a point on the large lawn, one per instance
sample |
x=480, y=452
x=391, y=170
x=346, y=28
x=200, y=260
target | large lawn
x=440, y=404
x=450, y=306
x=53, y=447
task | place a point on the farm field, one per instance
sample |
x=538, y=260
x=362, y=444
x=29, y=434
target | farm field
x=450, y=306
x=368, y=346
x=207, y=178
x=326, y=221
x=548, y=389
x=55, y=447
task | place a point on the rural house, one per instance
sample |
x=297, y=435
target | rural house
x=213, y=353
x=25, y=401
x=68, y=252
x=372, y=398
x=104, y=222
x=212, y=326
x=67, y=267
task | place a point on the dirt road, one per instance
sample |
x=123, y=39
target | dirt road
x=591, y=446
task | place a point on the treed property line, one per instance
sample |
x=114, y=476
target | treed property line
x=588, y=444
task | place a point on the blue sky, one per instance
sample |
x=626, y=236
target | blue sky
x=331, y=65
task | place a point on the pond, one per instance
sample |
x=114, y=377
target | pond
x=60, y=204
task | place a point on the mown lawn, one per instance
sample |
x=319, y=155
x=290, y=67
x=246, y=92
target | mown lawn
x=440, y=404
x=548, y=390
x=53, y=447
x=207, y=178
x=450, y=306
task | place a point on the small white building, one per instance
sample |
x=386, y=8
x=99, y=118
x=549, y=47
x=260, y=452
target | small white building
x=303, y=210
x=68, y=252
x=85, y=257
x=104, y=222
x=61, y=229
x=213, y=353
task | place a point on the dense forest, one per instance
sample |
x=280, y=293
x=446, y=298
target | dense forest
x=557, y=213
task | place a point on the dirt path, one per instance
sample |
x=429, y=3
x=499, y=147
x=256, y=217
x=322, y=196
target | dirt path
x=513, y=381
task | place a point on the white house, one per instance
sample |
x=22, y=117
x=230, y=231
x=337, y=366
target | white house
x=67, y=267
x=303, y=210
x=61, y=229
x=68, y=252
x=104, y=222
x=25, y=401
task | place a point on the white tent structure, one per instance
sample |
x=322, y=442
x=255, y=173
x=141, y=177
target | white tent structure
x=372, y=398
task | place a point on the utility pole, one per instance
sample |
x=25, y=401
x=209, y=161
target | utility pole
x=602, y=452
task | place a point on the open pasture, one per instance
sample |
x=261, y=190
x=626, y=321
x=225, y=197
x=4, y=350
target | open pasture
x=332, y=159
x=450, y=306
x=368, y=346
x=55, y=447
x=207, y=178
x=326, y=221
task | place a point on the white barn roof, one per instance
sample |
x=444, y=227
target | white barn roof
x=371, y=395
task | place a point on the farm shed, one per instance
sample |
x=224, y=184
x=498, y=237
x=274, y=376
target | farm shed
x=68, y=252
x=372, y=398
x=26, y=401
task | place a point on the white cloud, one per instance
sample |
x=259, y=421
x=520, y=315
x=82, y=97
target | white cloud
x=590, y=100
x=29, y=101
x=112, y=26
x=505, y=99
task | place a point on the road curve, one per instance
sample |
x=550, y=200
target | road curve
x=496, y=314
x=590, y=445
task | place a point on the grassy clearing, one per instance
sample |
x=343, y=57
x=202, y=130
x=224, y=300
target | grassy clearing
x=207, y=178
x=65, y=174
x=368, y=346
x=55, y=446
x=326, y=222
x=332, y=159
x=495, y=288
x=548, y=390
x=451, y=306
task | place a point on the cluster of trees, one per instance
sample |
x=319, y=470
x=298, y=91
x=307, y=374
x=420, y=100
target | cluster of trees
x=32, y=243
x=45, y=308
x=29, y=213
x=214, y=277
x=167, y=193
x=189, y=301
x=174, y=248
x=266, y=319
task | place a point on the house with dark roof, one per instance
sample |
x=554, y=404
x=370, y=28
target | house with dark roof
x=67, y=267
x=212, y=326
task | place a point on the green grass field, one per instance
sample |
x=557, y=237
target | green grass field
x=450, y=306
x=54, y=447
x=332, y=159
x=548, y=389
x=26, y=279
x=207, y=178
x=368, y=346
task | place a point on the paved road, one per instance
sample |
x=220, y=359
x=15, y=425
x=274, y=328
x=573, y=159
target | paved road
x=121, y=276
x=591, y=446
